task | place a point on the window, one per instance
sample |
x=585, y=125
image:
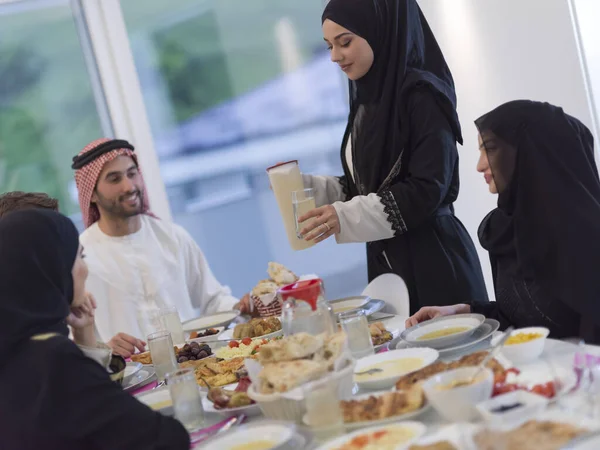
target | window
x=48, y=109
x=230, y=88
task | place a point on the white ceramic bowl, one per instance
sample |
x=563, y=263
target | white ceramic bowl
x=277, y=433
x=528, y=351
x=459, y=404
x=531, y=406
x=414, y=335
x=377, y=381
x=279, y=407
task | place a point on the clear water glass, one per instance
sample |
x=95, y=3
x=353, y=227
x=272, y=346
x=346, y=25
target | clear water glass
x=170, y=321
x=186, y=399
x=356, y=327
x=163, y=354
x=323, y=412
x=303, y=202
x=149, y=321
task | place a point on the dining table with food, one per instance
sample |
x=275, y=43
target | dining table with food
x=308, y=372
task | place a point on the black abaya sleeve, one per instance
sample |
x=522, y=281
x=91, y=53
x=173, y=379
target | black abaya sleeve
x=431, y=165
x=81, y=403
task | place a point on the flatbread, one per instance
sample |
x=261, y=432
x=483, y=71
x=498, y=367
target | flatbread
x=296, y=346
x=285, y=376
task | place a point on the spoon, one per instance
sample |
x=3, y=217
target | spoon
x=492, y=354
x=370, y=371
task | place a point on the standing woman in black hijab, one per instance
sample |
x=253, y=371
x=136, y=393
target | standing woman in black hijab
x=544, y=236
x=53, y=397
x=399, y=154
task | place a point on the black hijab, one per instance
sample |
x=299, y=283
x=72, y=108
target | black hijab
x=407, y=56
x=37, y=252
x=548, y=214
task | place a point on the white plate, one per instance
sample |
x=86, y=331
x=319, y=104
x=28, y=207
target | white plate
x=141, y=378
x=250, y=410
x=158, y=399
x=414, y=335
x=131, y=369
x=228, y=335
x=211, y=321
x=485, y=331
x=276, y=433
x=212, y=337
x=417, y=427
x=428, y=355
x=371, y=423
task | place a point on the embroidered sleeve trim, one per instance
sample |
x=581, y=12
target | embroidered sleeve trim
x=345, y=187
x=394, y=217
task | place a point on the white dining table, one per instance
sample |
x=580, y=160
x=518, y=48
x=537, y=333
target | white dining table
x=555, y=353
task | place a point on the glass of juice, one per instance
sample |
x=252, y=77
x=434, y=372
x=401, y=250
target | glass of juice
x=303, y=201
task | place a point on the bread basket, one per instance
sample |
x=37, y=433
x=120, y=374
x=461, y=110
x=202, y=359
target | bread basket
x=282, y=406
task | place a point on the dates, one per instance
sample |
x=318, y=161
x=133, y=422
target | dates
x=193, y=352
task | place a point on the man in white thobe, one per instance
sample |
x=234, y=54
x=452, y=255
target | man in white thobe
x=137, y=262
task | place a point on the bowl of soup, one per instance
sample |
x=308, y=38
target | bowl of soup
x=443, y=332
x=347, y=304
x=381, y=371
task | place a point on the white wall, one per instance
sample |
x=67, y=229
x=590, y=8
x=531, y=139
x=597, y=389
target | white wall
x=502, y=50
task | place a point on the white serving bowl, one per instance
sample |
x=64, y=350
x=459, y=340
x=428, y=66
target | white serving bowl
x=279, y=407
x=532, y=405
x=459, y=404
x=428, y=355
x=414, y=335
x=527, y=351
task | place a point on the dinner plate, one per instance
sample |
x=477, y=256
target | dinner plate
x=485, y=331
x=249, y=410
x=427, y=355
x=371, y=423
x=417, y=428
x=418, y=335
x=221, y=319
x=131, y=368
x=589, y=441
x=227, y=335
x=140, y=379
x=210, y=338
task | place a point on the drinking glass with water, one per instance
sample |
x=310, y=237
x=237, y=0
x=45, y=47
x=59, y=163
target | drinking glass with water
x=186, y=399
x=163, y=354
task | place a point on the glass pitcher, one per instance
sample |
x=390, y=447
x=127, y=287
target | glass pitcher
x=305, y=309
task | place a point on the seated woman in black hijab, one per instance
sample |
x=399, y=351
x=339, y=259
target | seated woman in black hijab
x=53, y=396
x=544, y=237
x=399, y=154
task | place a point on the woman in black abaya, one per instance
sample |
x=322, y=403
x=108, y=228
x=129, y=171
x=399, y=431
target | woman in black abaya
x=53, y=396
x=544, y=236
x=399, y=154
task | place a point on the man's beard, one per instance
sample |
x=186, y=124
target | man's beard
x=117, y=209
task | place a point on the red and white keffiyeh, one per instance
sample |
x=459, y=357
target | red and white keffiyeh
x=86, y=179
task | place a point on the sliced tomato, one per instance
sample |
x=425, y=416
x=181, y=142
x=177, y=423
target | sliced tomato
x=547, y=389
x=264, y=341
x=504, y=388
x=247, y=341
x=234, y=344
